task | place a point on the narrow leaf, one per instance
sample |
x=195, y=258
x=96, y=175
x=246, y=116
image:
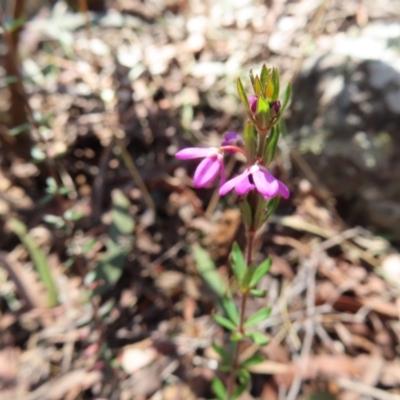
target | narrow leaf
x=246, y=213
x=253, y=360
x=208, y=271
x=19, y=129
x=218, y=388
x=258, y=87
x=221, y=352
x=270, y=88
x=261, y=271
x=258, y=338
x=39, y=260
x=258, y=317
x=230, y=309
x=252, y=79
x=250, y=142
x=239, y=391
x=245, y=284
x=258, y=293
x=238, y=262
x=270, y=145
x=272, y=204
x=244, y=376
x=264, y=75
x=286, y=97
x=118, y=243
x=224, y=322
x=243, y=97
x=275, y=79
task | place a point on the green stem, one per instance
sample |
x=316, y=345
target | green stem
x=235, y=361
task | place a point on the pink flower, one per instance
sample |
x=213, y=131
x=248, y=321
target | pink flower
x=209, y=168
x=253, y=104
x=232, y=139
x=256, y=177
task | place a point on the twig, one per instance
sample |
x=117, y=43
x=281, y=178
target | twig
x=135, y=174
x=366, y=390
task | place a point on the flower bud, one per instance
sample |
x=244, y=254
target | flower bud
x=253, y=104
x=275, y=108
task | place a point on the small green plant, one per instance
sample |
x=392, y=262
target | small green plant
x=259, y=193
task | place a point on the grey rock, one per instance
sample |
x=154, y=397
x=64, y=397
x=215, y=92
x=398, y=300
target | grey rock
x=345, y=120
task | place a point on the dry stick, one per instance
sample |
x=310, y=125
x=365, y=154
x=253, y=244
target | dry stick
x=135, y=174
x=84, y=9
x=366, y=390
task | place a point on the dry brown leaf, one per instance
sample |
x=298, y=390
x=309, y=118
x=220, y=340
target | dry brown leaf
x=9, y=358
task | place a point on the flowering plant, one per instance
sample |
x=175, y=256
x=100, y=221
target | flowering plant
x=259, y=193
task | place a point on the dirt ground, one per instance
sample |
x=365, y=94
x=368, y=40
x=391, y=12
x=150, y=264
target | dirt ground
x=103, y=293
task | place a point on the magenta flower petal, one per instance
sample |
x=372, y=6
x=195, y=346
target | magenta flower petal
x=283, y=190
x=206, y=171
x=222, y=178
x=194, y=152
x=229, y=185
x=265, y=183
x=244, y=186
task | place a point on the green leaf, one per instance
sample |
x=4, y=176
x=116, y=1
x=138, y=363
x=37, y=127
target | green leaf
x=258, y=87
x=208, y=271
x=260, y=213
x=243, y=97
x=225, y=356
x=270, y=145
x=270, y=88
x=253, y=360
x=236, y=336
x=264, y=75
x=219, y=388
x=272, y=204
x=118, y=243
x=224, y=322
x=263, y=114
x=239, y=390
x=230, y=309
x=258, y=293
x=14, y=24
x=275, y=79
x=245, y=284
x=286, y=97
x=258, y=338
x=238, y=262
x=258, y=317
x=252, y=79
x=245, y=210
x=250, y=142
x=19, y=129
x=39, y=260
x=244, y=376
x=261, y=271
